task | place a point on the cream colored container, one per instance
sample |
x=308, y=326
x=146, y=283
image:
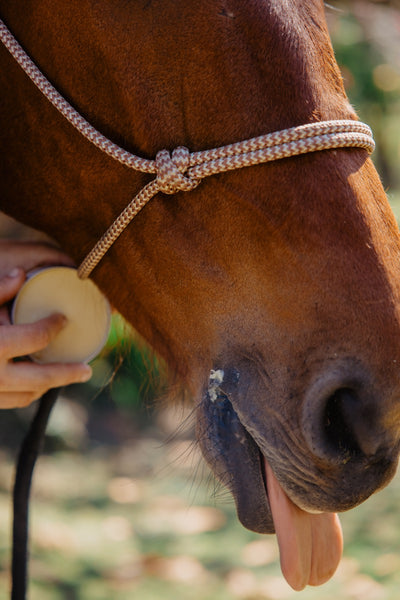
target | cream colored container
x=59, y=290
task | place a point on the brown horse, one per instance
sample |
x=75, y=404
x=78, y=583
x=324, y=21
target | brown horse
x=282, y=280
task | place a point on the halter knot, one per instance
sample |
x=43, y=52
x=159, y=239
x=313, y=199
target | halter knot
x=171, y=171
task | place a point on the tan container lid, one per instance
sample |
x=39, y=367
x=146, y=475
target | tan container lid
x=59, y=290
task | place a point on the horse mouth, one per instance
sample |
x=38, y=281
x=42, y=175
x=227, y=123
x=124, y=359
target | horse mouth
x=310, y=544
x=236, y=460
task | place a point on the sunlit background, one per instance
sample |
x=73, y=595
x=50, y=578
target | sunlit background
x=123, y=505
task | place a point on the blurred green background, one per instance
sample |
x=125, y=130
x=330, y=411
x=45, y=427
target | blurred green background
x=123, y=505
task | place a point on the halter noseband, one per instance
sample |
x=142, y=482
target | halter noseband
x=182, y=170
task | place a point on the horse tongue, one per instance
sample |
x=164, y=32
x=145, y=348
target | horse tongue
x=310, y=545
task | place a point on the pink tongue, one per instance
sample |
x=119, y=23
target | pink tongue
x=310, y=545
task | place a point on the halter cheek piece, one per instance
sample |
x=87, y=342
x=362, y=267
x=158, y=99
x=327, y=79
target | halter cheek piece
x=182, y=170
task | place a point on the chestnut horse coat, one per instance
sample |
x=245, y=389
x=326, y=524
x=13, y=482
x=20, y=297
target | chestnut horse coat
x=281, y=280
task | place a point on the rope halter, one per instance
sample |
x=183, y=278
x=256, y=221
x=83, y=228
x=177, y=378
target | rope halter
x=171, y=171
x=181, y=170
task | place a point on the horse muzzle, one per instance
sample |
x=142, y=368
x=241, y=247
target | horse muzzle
x=329, y=452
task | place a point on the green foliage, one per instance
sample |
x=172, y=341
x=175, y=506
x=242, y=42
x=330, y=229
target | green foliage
x=127, y=375
x=371, y=75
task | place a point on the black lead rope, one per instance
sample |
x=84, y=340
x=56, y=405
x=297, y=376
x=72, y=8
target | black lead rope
x=31, y=446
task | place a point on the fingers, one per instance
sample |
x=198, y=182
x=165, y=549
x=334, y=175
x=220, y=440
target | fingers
x=28, y=377
x=21, y=340
x=4, y=316
x=29, y=255
x=10, y=284
x=22, y=383
x=17, y=399
x=33, y=255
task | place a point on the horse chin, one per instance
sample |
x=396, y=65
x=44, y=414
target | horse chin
x=236, y=461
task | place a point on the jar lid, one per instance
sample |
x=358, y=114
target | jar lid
x=60, y=290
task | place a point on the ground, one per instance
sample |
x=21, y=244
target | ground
x=144, y=519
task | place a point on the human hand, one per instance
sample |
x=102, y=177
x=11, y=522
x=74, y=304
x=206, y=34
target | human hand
x=23, y=382
x=29, y=255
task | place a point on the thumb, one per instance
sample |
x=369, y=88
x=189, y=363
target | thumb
x=10, y=284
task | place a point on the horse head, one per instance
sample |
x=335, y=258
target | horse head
x=272, y=291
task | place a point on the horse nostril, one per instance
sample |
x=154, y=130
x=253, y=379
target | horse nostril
x=348, y=439
x=344, y=422
x=339, y=423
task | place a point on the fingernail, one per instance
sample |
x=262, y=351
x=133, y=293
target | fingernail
x=15, y=273
x=60, y=319
x=63, y=320
x=86, y=375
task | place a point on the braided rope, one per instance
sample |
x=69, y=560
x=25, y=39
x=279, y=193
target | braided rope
x=182, y=170
x=87, y=130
